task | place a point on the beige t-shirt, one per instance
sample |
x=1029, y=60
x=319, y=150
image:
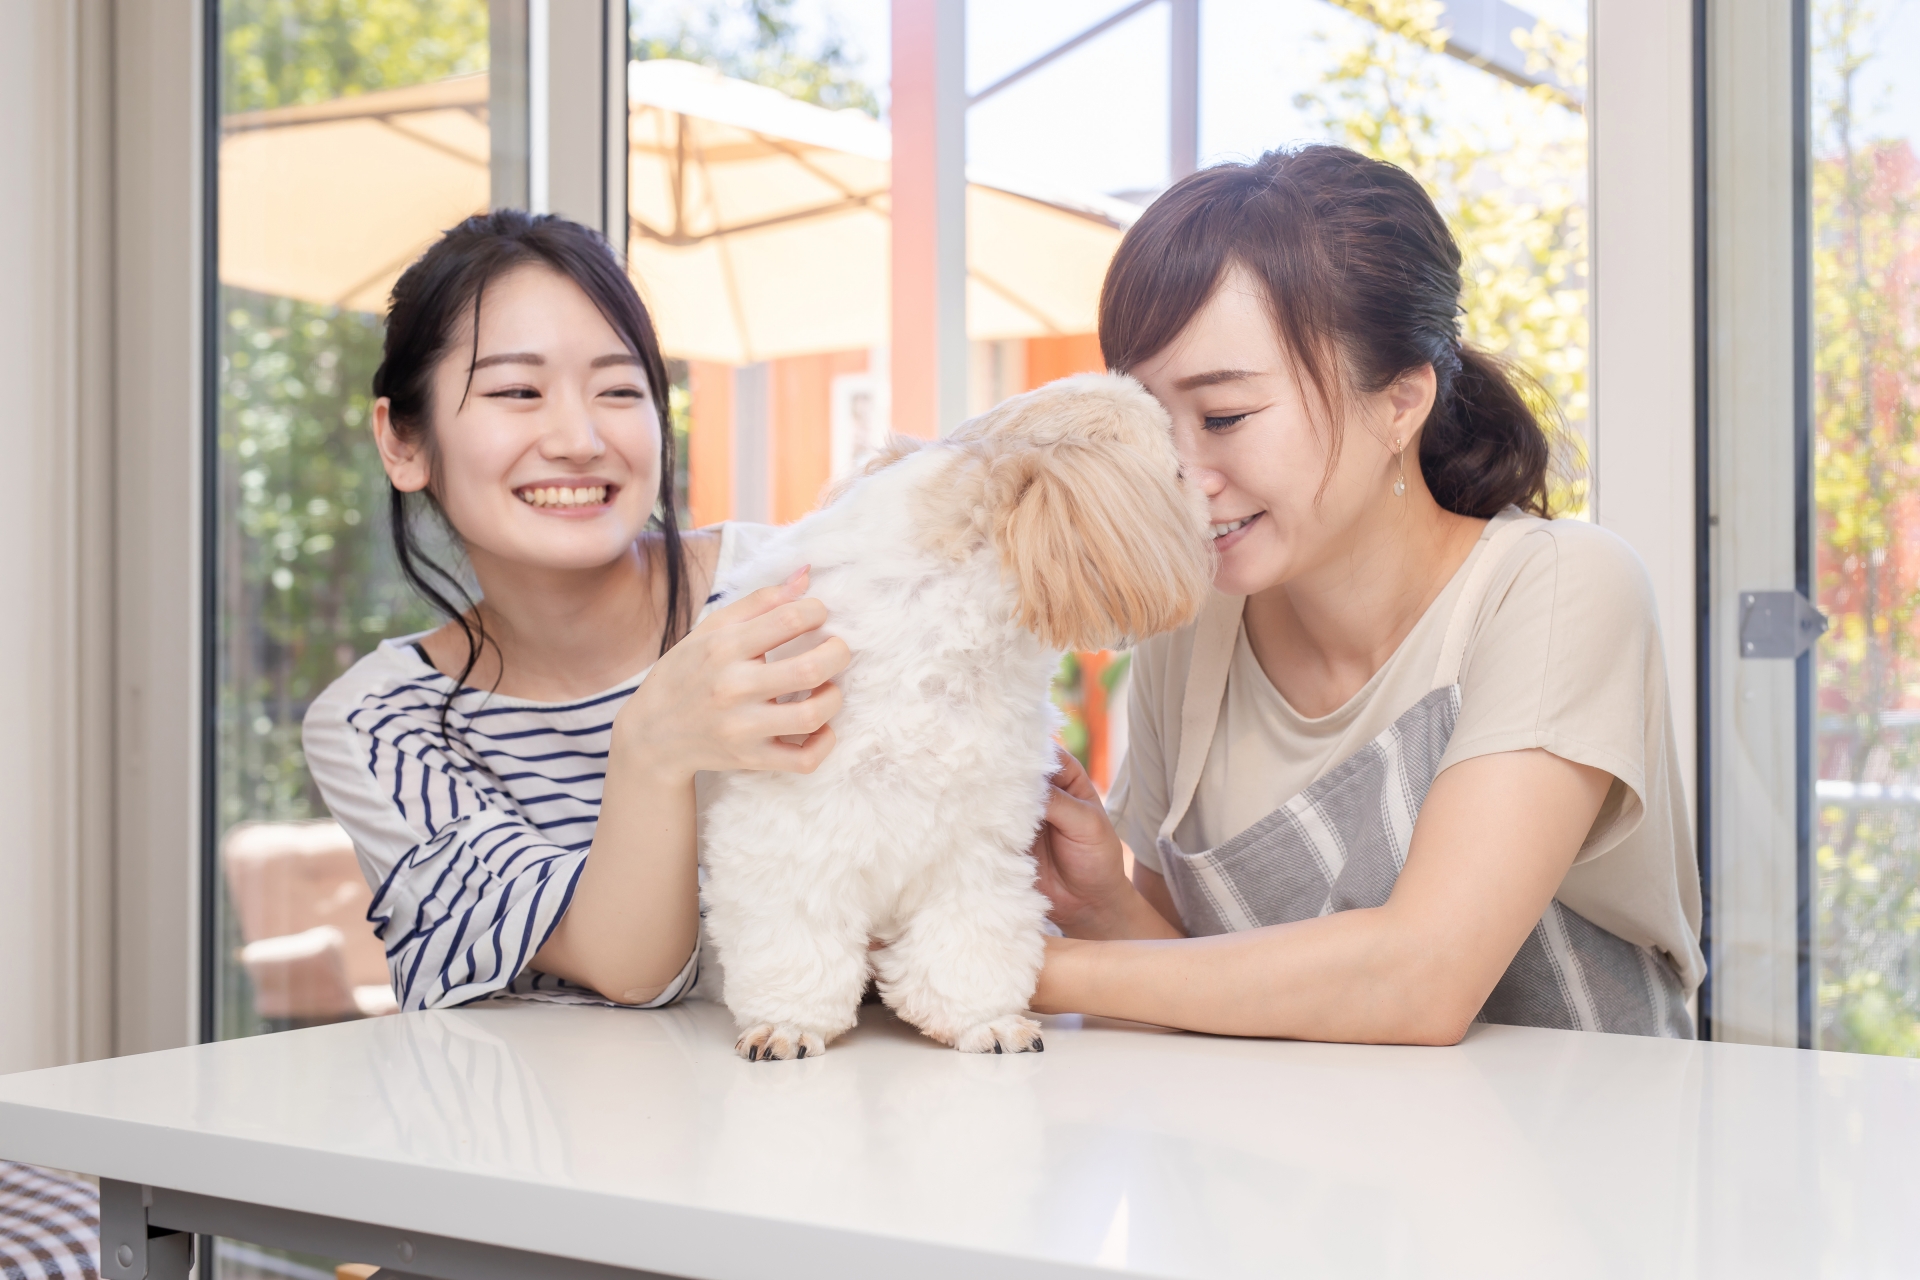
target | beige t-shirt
x=1565, y=655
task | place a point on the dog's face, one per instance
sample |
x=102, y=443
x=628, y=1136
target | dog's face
x=1076, y=490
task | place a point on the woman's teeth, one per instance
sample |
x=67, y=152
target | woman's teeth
x=1222, y=530
x=591, y=496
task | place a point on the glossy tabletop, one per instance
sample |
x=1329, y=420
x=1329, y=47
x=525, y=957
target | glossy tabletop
x=639, y=1139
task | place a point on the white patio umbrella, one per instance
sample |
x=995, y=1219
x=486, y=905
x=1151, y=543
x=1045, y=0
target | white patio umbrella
x=759, y=227
x=759, y=224
x=329, y=202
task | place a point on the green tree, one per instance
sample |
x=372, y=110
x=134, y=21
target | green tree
x=1866, y=472
x=278, y=53
x=1512, y=184
x=308, y=583
x=758, y=41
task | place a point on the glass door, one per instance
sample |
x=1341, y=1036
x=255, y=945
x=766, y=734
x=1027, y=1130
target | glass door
x=1864, y=264
x=351, y=133
x=1069, y=138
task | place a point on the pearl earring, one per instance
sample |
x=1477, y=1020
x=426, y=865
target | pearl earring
x=1400, y=484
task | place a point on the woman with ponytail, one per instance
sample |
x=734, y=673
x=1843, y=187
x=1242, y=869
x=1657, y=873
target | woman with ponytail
x=519, y=783
x=1413, y=766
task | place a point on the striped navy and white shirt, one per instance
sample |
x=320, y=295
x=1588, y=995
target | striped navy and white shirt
x=472, y=842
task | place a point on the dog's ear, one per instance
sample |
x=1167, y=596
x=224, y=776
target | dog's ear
x=1104, y=541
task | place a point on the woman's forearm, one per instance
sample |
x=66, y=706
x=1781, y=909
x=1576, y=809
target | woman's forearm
x=1353, y=976
x=1414, y=971
x=635, y=915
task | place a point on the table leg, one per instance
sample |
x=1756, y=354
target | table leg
x=129, y=1248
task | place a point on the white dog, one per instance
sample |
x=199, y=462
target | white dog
x=956, y=571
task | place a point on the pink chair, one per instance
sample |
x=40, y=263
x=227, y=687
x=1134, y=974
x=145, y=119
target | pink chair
x=302, y=905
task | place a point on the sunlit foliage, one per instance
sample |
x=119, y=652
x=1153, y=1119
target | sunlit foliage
x=307, y=581
x=1509, y=172
x=1866, y=475
x=279, y=53
x=758, y=41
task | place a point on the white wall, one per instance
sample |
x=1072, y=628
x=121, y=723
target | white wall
x=154, y=240
x=1641, y=117
x=99, y=438
x=53, y=943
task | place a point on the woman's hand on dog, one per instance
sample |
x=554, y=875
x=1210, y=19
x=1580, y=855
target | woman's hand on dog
x=1082, y=867
x=709, y=703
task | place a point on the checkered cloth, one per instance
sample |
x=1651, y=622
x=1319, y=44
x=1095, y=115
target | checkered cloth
x=49, y=1225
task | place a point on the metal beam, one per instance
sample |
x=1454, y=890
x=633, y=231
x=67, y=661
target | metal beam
x=507, y=123
x=149, y=1228
x=1480, y=34
x=1183, y=88
x=929, y=213
x=1753, y=367
x=1061, y=50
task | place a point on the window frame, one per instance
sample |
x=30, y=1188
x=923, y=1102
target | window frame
x=156, y=55
x=168, y=807
x=1757, y=829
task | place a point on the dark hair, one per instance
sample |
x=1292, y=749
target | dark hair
x=1358, y=264
x=448, y=281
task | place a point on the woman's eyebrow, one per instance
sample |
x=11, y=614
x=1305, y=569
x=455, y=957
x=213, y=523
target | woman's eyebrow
x=510, y=357
x=1213, y=378
x=624, y=357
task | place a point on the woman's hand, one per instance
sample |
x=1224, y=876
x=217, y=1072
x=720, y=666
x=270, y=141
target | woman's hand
x=710, y=702
x=707, y=704
x=1082, y=866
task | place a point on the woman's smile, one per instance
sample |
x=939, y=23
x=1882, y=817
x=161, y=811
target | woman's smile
x=1228, y=533
x=572, y=496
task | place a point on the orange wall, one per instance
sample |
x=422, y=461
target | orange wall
x=802, y=428
x=710, y=442
x=800, y=433
x=1050, y=358
x=1047, y=359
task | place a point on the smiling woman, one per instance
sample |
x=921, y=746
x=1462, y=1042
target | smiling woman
x=518, y=783
x=1413, y=766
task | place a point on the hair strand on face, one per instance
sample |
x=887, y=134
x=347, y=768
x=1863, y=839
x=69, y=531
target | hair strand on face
x=423, y=320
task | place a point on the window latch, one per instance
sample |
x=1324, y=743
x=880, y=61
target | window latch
x=1778, y=624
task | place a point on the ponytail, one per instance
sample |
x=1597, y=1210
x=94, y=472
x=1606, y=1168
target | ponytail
x=1484, y=449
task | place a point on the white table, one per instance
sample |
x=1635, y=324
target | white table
x=613, y=1142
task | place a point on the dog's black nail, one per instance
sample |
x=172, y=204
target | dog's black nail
x=1039, y=1045
x=803, y=1051
x=997, y=1048
x=753, y=1053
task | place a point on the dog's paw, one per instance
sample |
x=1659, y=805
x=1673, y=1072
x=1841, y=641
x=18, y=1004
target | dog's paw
x=1011, y=1034
x=778, y=1040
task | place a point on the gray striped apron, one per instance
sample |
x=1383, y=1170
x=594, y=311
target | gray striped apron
x=1341, y=843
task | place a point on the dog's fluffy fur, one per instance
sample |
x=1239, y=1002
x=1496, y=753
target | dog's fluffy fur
x=956, y=571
